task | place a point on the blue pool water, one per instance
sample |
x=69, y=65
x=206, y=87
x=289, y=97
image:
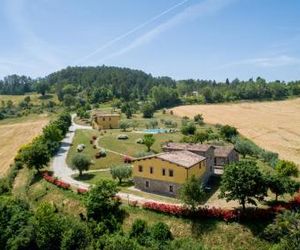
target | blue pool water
x=155, y=131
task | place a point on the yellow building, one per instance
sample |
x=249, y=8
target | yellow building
x=165, y=173
x=102, y=120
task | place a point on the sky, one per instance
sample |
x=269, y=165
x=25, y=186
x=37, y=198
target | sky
x=200, y=39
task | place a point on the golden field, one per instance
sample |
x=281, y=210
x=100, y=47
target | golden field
x=14, y=135
x=273, y=125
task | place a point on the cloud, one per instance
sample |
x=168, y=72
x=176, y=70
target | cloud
x=265, y=62
x=207, y=7
x=132, y=31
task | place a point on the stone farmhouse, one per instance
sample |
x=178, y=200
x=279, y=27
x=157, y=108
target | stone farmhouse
x=101, y=120
x=164, y=173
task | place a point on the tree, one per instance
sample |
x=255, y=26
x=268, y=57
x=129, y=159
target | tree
x=287, y=168
x=35, y=155
x=280, y=185
x=81, y=163
x=48, y=227
x=188, y=129
x=42, y=87
x=201, y=137
x=192, y=193
x=76, y=236
x=15, y=224
x=52, y=133
x=228, y=132
x=148, y=110
x=160, y=231
x=124, y=125
x=199, y=119
x=148, y=141
x=285, y=230
x=244, y=182
x=121, y=172
x=101, y=202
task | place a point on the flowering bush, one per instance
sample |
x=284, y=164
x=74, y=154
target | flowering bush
x=94, y=137
x=211, y=212
x=55, y=181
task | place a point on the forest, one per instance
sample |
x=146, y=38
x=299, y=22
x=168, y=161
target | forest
x=103, y=83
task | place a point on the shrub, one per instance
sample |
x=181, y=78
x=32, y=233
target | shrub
x=188, y=129
x=160, y=231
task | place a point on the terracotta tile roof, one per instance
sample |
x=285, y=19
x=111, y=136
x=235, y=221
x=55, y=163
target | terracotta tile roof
x=103, y=114
x=187, y=146
x=223, y=151
x=185, y=159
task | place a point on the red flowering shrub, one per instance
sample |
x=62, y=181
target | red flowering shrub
x=91, y=141
x=94, y=146
x=54, y=181
x=97, y=155
x=62, y=184
x=127, y=159
x=94, y=137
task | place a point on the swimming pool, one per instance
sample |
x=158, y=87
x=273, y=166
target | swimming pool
x=155, y=131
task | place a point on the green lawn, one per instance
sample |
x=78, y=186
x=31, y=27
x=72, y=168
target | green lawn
x=93, y=178
x=130, y=147
x=83, y=137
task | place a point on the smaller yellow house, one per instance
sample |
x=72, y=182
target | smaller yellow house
x=102, y=120
x=165, y=173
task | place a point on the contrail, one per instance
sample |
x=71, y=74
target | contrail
x=108, y=44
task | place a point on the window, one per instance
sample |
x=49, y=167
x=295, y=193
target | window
x=171, y=189
x=140, y=168
x=103, y=118
x=109, y=118
x=215, y=161
x=151, y=170
x=200, y=165
x=211, y=168
x=147, y=184
x=163, y=171
x=171, y=173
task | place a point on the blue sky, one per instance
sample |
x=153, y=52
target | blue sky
x=205, y=39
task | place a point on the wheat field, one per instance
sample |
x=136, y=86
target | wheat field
x=273, y=125
x=13, y=136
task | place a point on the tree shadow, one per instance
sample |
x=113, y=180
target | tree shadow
x=202, y=226
x=257, y=227
x=85, y=177
x=214, y=183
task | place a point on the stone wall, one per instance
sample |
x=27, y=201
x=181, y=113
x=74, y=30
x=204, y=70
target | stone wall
x=156, y=186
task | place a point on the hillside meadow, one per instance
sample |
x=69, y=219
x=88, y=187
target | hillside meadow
x=273, y=125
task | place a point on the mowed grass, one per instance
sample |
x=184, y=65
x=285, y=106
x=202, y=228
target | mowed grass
x=214, y=234
x=130, y=147
x=94, y=177
x=274, y=126
x=14, y=134
x=84, y=137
